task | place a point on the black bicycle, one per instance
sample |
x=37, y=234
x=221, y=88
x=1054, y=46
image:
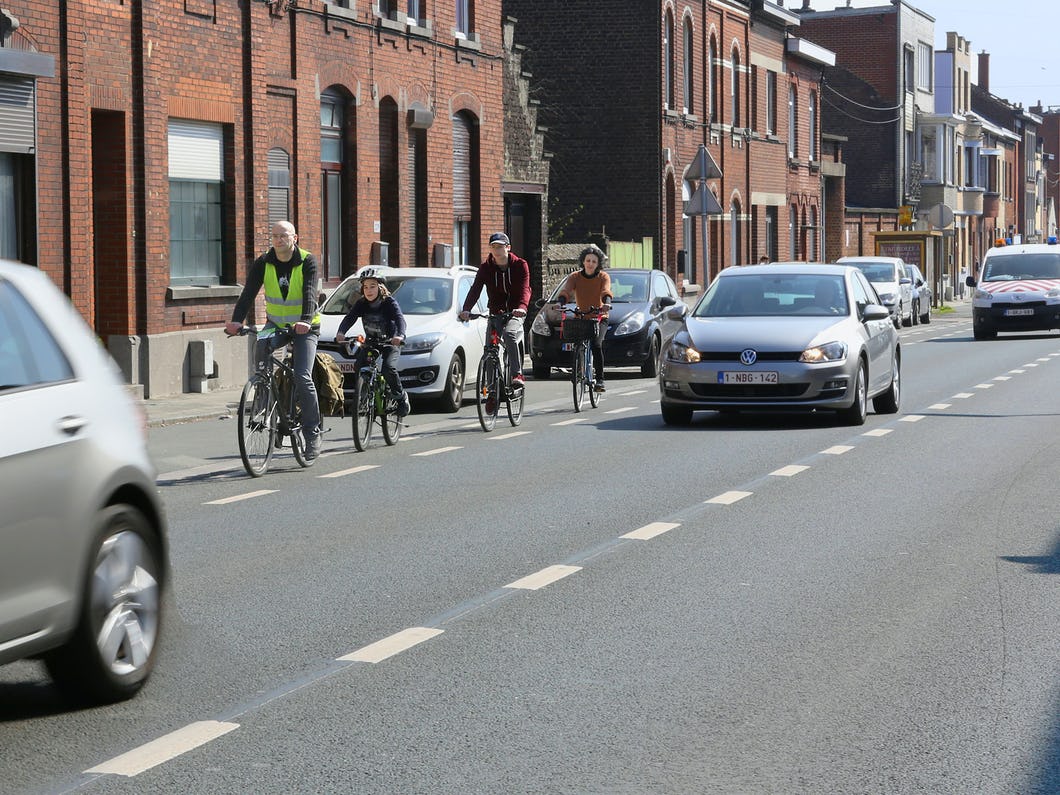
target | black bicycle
x=578, y=329
x=492, y=386
x=373, y=400
x=268, y=409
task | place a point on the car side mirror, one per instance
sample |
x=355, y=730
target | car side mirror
x=677, y=312
x=875, y=312
x=667, y=300
x=970, y=281
x=905, y=281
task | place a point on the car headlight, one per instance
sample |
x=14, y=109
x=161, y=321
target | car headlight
x=829, y=352
x=632, y=324
x=423, y=343
x=983, y=295
x=887, y=298
x=1054, y=293
x=677, y=352
x=540, y=325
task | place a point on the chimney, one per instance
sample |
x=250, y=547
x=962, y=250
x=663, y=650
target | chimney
x=984, y=71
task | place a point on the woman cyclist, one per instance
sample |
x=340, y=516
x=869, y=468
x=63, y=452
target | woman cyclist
x=591, y=289
x=382, y=318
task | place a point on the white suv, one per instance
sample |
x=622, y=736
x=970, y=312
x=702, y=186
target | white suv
x=441, y=354
x=1018, y=290
x=892, y=283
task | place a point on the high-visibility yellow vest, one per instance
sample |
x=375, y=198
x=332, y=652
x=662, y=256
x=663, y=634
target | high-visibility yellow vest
x=284, y=312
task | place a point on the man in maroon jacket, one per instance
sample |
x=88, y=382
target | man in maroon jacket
x=506, y=278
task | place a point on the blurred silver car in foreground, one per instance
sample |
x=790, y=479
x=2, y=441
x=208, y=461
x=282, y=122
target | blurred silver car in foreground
x=782, y=337
x=82, y=531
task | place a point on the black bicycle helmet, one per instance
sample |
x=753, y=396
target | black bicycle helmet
x=373, y=273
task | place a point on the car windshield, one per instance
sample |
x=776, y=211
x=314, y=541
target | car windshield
x=1022, y=266
x=774, y=295
x=877, y=271
x=625, y=287
x=416, y=295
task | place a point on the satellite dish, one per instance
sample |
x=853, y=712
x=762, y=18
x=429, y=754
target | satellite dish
x=940, y=216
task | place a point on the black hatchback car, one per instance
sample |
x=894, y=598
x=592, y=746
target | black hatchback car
x=636, y=326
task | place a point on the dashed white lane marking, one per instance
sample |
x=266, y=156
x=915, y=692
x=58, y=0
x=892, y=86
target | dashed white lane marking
x=571, y=421
x=650, y=530
x=939, y=406
x=912, y=418
x=878, y=432
x=395, y=644
x=470, y=425
x=837, y=449
x=546, y=576
x=789, y=471
x=983, y=386
x=351, y=471
x=962, y=395
x=642, y=391
x=622, y=410
x=1042, y=359
x=248, y=496
x=169, y=746
x=1031, y=364
x=729, y=497
x=1002, y=378
x=438, y=450
x=511, y=435
x=1018, y=372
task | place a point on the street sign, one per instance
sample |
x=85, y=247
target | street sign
x=940, y=216
x=703, y=166
x=703, y=202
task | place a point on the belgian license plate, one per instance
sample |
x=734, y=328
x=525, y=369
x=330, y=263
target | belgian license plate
x=758, y=377
x=567, y=346
x=347, y=367
x=1018, y=312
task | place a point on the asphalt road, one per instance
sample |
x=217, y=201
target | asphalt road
x=597, y=603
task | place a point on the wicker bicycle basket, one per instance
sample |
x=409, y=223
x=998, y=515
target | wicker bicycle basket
x=575, y=329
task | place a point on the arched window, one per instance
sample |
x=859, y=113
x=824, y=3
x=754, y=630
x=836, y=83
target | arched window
x=389, y=186
x=689, y=67
x=811, y=123
x=736, y=229
x=735, y=87
x=793, y=233
x=668, y=60
x=813, y=254
x=279, y=186
x=712, y=80
x=465, y=189
x=793, y=122
x=333, y=109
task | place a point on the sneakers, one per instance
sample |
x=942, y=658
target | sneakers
x=518, y=380
x=404, y=407
x=312, y=446
x=600, y=386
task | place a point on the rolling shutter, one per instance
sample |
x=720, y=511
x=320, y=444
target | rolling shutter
x=461, y=168
x=196, y=151
x=279, y=186
x=17, y=115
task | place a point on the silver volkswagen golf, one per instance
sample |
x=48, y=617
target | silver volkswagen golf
x=82, y=532
x=783, y=337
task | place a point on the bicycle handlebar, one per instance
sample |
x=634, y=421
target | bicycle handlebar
x=593, y=313
x=505, y=315
x=288, y=332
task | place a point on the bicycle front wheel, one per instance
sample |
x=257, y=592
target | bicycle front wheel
x=257, y=426
x=390, y=420
x=578, y=376
x=364, y=412
x=590, y=379
x=487, y=389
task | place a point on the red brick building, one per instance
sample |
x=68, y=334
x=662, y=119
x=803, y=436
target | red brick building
x=173, y=134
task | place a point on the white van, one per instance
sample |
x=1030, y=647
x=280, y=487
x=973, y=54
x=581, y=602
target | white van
x=1018, y=290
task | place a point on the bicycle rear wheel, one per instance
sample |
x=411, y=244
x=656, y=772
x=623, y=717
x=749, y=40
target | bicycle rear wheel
x=515, y=404
x=298, y=444
x=590, y=378
x=578, y=376
x=390, y=420
x=364, y=411
x=487, y=388
x=257, y=426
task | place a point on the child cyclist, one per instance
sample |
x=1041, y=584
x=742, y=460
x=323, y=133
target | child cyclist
x=382, y=318
x=590, y=288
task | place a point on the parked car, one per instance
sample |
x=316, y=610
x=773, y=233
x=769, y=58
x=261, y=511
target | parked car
x=921, y=294
x=892, y=283
x=783, y=337
x=83, y=560
x=440, y=356
x=636, y=326
x=1018, y=290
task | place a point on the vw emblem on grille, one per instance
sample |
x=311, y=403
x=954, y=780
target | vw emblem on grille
x=748, y=357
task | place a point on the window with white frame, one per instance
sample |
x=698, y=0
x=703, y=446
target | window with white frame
x=929, y=154
x=771, y=103
x=196, y=202
x=793, y=122
x=811, y=125
x=465, y=18
x=735, y=87
x=924, y=64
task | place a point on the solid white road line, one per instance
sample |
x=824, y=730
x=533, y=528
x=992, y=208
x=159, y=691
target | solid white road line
x=939, y=406
x=351, y=471
x=729, y=497
x=912, y=418
x=395, y=644
x=546, y=576
x=248, y=496
x=878, y=432
x=511, y=435
x=650, y=530
x=571, y=421
x=167, y=747
x=438, y=450
x=788, y=471
x=621, y=410
x=837, y=449
x=642, y=391
x=469, y=425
